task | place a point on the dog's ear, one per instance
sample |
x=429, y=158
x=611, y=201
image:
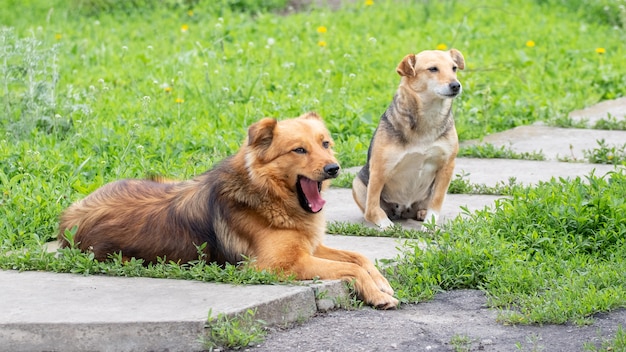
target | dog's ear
x=260, y=134
x=407, y=66
x=311, y=115
x=457, y=57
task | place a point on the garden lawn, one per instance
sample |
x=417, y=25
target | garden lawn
x=91, y=94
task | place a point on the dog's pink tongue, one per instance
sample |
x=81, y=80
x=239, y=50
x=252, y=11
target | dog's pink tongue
x=312, y=194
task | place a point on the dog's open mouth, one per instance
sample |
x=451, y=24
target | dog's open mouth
x=309, y=194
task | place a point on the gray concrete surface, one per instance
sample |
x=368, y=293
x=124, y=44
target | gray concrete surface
x=554, y=143
x=62, y=312
x=602, y=111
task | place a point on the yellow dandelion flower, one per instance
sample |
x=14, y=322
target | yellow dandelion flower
x=321, y=29
x=530, y=44
x=167, y=89
x=441, y=46
x=321, y=43
x=190, y=13
x=180, y=100
x=600, y=51
x=58, y=36
x=369, y=2
x=184, y=28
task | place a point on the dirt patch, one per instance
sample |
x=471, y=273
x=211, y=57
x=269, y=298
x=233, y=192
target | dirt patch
x=454, y=321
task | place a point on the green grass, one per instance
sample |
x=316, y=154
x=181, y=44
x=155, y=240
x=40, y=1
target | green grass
x=224, y=332
x=490, y=151
x=550, y=254
x=607, y=154
x=617, y=343
x=93, y=93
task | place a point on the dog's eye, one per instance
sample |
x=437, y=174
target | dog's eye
x=300, y=150
x=326, y=144
x=454, y=68
x=433, y=69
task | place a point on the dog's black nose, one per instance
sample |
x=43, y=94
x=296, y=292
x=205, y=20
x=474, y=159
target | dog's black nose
x=455, y=86
x=331, y=170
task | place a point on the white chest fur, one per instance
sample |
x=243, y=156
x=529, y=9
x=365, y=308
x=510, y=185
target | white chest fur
x=412, y=172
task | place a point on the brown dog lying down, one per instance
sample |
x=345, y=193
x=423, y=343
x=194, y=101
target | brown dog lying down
x=263, y=203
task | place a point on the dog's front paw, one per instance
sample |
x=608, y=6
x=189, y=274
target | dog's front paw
x=379, y=218
x=384, y=223
x=431, y=217
x=384, y=286
x=428, y=216
x=385, y=301
x=381, y=281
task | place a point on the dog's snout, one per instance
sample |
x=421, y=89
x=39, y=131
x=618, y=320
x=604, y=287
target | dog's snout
x=331, y=170
x=455, y=86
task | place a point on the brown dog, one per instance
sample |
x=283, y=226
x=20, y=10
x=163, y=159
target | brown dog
x=263, y=203
x=410, y=160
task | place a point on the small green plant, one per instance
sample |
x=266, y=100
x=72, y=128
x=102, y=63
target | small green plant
x=344, y=180
x=29, y=75
x=461, y=343
x=611, y=123
x=240, y=331
x=352, y=229
x=461, y=185
x=616, y=344
x=533, y=341
x=606, y=154
x=352, y=301
x=490, y=151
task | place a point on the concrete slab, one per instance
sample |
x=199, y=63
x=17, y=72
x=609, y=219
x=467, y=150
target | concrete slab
x=65, y=312
x=553, y=142
x=491, y=172
x=340, y=207
x=610, y=108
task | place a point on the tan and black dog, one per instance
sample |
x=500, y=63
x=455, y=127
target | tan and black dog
x=410, y=160
x=262, y=203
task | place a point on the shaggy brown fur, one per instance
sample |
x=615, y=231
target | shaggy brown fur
x=263, y=203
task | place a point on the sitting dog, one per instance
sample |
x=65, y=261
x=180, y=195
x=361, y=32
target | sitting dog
x=410, y=160
x=262, y=203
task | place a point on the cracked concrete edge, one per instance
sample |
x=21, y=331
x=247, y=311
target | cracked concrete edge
x=167, y=336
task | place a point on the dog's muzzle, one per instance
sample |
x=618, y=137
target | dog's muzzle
x=454, y=89
x=309, y=190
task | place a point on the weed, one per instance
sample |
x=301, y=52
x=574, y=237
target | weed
x=461, y=343
x=242, y=330
x=552, y=253
x=346, y=228
x=461, y=185
x=490, y=151
x=605, y=154
x=344, y=180
x=352, y=301
x=617, y=343
x=611, y=123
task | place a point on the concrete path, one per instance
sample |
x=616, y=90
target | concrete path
x=42, y=311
